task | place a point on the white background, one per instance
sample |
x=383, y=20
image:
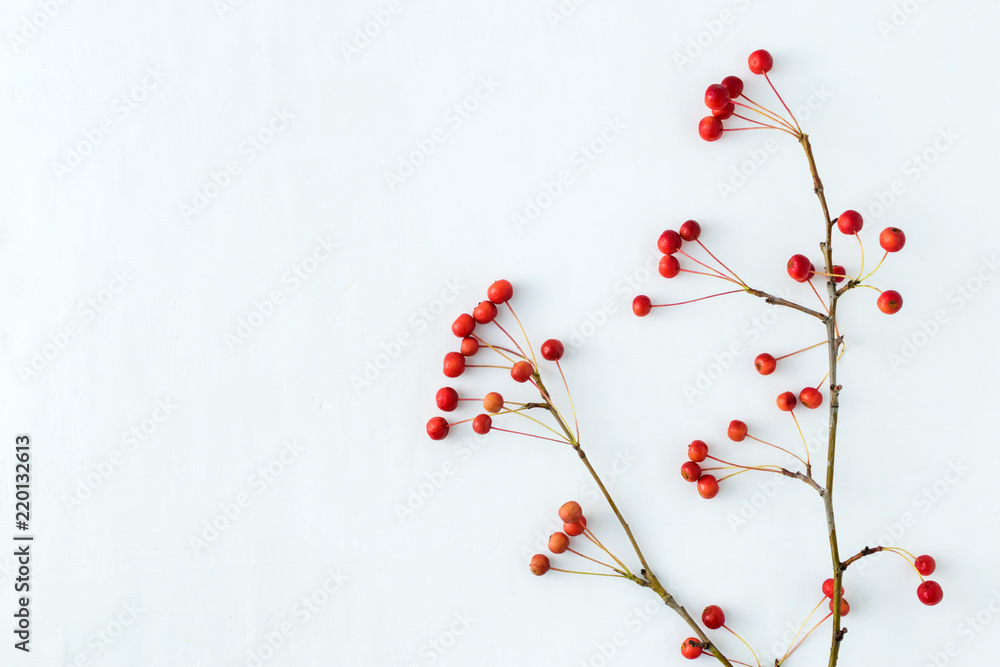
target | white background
x=119, y=117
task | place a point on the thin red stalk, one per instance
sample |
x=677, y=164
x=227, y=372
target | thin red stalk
x=767, y=113
x=681, y=303
x=783, y=103
x=721, y=263
x=530, y=435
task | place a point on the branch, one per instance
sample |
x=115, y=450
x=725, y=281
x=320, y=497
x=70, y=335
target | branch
x=778, y=301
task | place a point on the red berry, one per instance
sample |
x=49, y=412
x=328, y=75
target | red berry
x=925, y=565
x=500, y=291
x=539, y=564
x=454, y=364
x=463, y=325
x=521, y=371
x=690, y=231
x=691, y=648
x=469, y=346
x=930, y=593
x=890, y=301
x=737, y=430
x=845, y=608
x=697, y=451
x=493, y=402
x=892, y=239
x=710, y=128
x=482, y=424
x=708, y=487
x=446, y=399
x=716, y=96
x=828, y=589
x=734, y=85
x=765, y=363
x=558, y=543
x=575, y=528
x=641, y=305
x=850, y=222
x=800, y=268
x=553, y=350
x=669, y=266
x=839, y=273
x=437, y=428
x=725, y=112
x=691, y=471
x=760, y=62
x=811, y=398
x=713, y=617
x=786, y=401
x=570, y=512
x=485, y=312
x=669, y=242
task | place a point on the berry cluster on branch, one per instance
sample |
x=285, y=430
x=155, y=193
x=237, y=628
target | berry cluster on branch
x=486, y=343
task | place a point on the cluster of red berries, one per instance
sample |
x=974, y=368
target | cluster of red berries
x=708, y=485
x=892, y=239
x=574, y=523
x=455, y=363
x=721, y=98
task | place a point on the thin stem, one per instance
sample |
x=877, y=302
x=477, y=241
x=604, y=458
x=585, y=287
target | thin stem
x=721, y=263
x=593, y=538
x=754, y=653
x=511, y=309
x=682, y=303
x=711, y=275
x=715, y=271
x=500, y=326
x=764, y=442
x=804, y=443
x=761, y=125
x=764, y=111
x=862, y=246
x=877, y=267
x=822, y=303
x=783, y=104
x=809, y=633
x=822, y=342
x=576, y=423
x=498, y=349
x=610, y=567
x=593, y=574
x=530, y=435
x=799, y=631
